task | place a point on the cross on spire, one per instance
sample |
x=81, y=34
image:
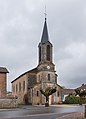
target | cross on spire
x=45, y=13
x=45, y=37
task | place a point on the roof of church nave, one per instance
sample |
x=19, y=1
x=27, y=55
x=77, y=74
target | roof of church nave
x=30, y=71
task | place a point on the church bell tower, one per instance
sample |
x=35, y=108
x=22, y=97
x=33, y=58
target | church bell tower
x=45, y=47
x=46, y=68
x=46, y=74
x=45, y=50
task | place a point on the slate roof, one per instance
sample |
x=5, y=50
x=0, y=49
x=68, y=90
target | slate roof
x=30, y=71
x=67, y=91
x=59, y=86
x=45, y=37
x=3, y=70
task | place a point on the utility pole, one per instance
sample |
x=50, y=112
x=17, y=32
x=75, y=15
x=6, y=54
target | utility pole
x=85, y=112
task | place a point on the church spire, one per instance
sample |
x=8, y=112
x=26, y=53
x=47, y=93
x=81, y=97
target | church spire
x=45, y=37
x=45, y=47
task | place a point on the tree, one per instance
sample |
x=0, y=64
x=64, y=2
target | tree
x=48, y=91
x=81, y=93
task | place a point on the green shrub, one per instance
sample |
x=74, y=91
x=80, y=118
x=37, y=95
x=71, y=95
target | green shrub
x=72, y=100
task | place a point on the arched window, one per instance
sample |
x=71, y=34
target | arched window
x=58, y=93
x=23, y=85
x=48, y=77
x=16, y=88
x=39, y=53
x=37, y=93
x=19, y=86
x=48, y=52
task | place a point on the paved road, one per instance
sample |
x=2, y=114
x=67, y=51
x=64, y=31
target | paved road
x=39, y=112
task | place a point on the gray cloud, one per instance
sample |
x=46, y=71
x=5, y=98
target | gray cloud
x=21, y=24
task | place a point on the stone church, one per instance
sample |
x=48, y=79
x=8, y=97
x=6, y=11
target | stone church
x=27, y=86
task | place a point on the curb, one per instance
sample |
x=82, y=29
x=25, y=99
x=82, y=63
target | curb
x=13, y=109
x=76, y=115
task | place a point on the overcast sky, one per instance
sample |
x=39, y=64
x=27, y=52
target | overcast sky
x=21, y=25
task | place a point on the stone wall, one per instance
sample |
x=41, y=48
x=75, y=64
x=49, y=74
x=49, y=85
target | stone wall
x=8, y=102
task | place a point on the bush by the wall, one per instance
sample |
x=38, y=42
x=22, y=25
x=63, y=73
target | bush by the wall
x=72, y=100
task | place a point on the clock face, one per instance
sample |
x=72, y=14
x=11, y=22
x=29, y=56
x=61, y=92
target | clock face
x=48, y=67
